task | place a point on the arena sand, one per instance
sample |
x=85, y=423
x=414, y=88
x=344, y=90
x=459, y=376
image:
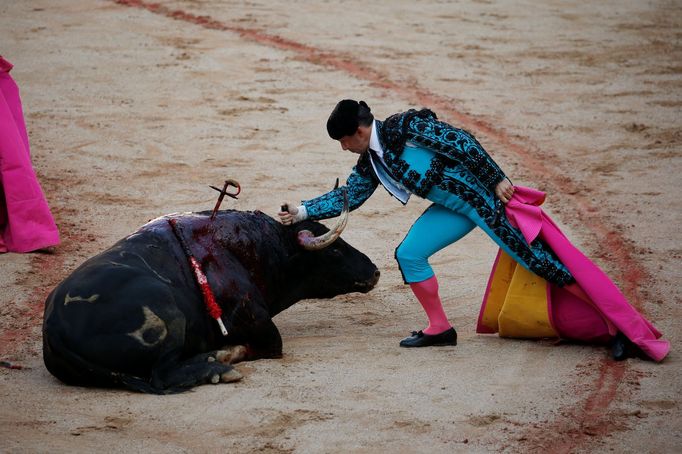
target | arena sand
x=134, y=108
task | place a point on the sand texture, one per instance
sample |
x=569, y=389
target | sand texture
x=133, y=109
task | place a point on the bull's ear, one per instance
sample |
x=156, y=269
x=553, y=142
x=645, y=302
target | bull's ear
x=313, y=226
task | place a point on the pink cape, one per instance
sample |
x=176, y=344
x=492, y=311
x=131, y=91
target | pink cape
x=574, y=317
x=26, y=223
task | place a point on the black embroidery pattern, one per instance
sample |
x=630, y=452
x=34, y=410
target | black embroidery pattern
x=453, y=144
x=411, y=179
x=396, y=127
x=537, y=256
x=393, y=140
x=432, y=177
x=360, y=185
x=460, y=146
x=364, y=166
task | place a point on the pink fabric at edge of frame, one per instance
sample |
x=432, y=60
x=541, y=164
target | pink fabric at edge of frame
x=26, y=223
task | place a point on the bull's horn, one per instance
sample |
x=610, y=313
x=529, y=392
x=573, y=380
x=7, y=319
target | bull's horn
x=309, y=241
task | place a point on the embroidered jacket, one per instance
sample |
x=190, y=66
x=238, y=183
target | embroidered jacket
x=472, y=177
x=451, y=145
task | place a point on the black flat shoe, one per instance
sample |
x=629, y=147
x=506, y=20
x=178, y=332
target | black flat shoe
x=419, y=339
x=622, y=347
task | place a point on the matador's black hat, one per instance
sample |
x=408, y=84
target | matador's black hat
x=343, y=120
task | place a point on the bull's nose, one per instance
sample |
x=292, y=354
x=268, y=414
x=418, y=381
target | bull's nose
x=366, y=286
x=375, y=279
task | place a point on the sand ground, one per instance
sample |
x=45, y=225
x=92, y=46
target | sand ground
x=133, y=109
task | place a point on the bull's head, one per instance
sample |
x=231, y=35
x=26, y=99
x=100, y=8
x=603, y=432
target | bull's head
x=330, y=265
x=336, y=269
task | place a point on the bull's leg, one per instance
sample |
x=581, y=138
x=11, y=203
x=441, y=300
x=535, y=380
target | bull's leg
x=227, y=355
x=172, y=371
x=195, y=371
x=231, y=354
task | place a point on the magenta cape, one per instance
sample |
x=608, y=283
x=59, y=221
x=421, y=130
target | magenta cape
x=592, y=309
x=26, y=223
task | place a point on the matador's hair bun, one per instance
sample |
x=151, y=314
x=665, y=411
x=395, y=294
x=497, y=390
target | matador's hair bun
x=346, y=117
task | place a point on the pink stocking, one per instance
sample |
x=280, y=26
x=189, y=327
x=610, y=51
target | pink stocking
x=427, y=294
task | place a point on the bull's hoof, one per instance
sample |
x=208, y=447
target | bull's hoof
x=215, y=379
x=231, y=376
x=231, y=355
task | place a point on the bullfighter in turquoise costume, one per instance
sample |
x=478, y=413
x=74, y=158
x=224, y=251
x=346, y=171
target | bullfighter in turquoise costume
x=414, y=153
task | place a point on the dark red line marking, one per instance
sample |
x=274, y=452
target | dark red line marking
x=632, y=273
x=576, y=424
x=27, y=314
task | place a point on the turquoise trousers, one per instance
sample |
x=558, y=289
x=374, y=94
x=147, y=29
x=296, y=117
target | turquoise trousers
x=443, y=223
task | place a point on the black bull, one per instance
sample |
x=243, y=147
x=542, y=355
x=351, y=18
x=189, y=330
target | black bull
x=133, y=316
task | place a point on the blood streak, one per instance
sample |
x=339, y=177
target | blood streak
x=213, y=308
x=209, y=298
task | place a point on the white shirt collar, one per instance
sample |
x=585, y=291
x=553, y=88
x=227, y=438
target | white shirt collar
x=374, y=143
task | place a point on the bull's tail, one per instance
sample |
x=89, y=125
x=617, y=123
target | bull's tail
x=73, y=369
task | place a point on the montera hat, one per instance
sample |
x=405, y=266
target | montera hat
x=343, y=120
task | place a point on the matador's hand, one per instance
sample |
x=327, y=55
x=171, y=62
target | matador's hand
x=287, y=215
x=291, y=214
x=504, y=190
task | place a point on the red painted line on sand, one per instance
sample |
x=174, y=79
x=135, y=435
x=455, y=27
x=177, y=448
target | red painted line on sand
x=28, y=313
x=576, y=424
x=632, y=274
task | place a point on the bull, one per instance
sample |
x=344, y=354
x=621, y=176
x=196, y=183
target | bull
x=134, y=316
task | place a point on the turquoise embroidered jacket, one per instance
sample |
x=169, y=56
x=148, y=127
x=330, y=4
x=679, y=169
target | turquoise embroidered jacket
x=453, y=148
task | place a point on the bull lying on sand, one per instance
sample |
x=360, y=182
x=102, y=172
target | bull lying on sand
x=134, y=315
